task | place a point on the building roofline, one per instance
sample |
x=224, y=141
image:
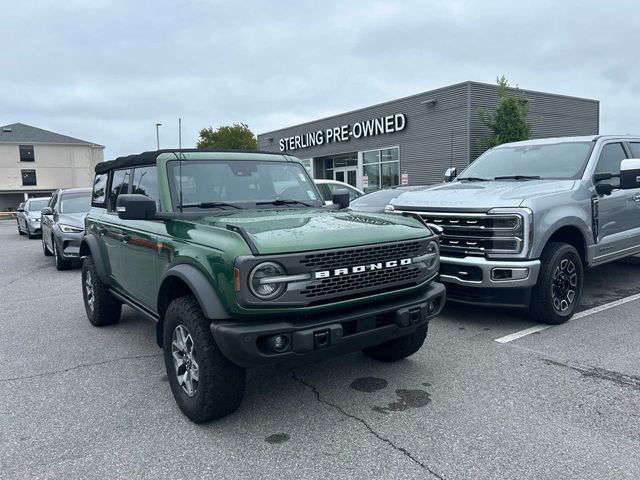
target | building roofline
x=408, y=97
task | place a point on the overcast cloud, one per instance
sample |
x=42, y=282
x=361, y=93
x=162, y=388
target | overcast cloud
x=107, y=71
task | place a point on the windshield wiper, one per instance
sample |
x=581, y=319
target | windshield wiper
x=208, y=205
x=284, y=201
x=474, y=179
x=518, y=177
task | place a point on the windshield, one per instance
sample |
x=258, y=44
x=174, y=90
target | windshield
x=76, y=203
x=559, y=160
x=241, y=184
x=37, y=205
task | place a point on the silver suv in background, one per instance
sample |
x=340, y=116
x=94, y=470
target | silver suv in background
x=28, y=216
x=523, y=221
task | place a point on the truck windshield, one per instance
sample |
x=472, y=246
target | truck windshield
x=222, y=184
x=553, y=160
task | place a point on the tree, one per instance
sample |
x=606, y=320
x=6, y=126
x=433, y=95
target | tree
x=508, y=123
x=232, y=137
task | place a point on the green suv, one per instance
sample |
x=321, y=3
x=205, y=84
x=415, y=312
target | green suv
x=239, y=263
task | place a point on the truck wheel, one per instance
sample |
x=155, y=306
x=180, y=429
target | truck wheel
x=45, y=249
x=398, y=348
x=557, y=294
x=102, y=308
x=20, y=232
x=61, y=264
x=205, y=384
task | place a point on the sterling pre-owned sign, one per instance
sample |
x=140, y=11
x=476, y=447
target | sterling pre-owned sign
x=344, y=133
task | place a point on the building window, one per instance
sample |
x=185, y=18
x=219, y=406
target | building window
x=382, y=168
x=28, y=178
x=26, y=153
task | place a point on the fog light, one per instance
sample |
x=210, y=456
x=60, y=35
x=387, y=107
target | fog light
x=280, y=343
x=432, y=307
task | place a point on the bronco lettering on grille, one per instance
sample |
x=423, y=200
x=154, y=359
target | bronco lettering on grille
x=337, y=272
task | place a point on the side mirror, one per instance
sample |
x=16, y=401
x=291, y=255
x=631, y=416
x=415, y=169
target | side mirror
x=135, y=207
x=450, y=174
x=20, y=209
x=46, y=211
x=630, y=174
x=604, y=188
x=341, y=198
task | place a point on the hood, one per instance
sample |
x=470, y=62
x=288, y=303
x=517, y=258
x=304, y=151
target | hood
x=305, y=229
x=72, y=219
x=479, y=196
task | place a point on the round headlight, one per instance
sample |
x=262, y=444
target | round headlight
x=263, y=282
x=433, y=251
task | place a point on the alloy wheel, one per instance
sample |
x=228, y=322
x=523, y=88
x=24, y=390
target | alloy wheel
x=565, y=284
x=185, y=360
x=88, y=287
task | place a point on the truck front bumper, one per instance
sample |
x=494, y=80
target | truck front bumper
x=478, y=280
x=311, y=338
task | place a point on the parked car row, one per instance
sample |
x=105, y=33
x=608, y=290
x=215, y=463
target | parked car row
x=59, y=221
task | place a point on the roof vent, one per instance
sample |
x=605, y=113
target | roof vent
x=6, y=129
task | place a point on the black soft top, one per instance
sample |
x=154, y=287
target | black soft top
x=149, y=158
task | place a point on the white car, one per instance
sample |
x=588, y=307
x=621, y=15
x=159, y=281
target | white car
x=327, y=187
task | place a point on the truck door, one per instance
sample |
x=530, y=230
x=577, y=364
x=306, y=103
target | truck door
x=111, y=231
x=618, y=231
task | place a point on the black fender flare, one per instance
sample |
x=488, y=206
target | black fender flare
x=90, y=246
x=201, y=287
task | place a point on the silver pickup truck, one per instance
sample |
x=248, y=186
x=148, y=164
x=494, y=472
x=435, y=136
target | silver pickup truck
x=522, y=222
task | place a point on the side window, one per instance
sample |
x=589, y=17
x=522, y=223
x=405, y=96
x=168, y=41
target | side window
x=353, y=194
x=145, y=182
x=119, y=184
x=99, y=194
x=52, y=202
x=611, y=156
x=635, y=149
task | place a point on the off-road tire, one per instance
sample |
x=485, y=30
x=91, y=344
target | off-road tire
x=105, y=309
x=398, y=348
x=20, y=232
x=61, y=264
x=544, y=294
x=45, y=249
x=221, y=383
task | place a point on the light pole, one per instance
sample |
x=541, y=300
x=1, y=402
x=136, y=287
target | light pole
x=158, y=134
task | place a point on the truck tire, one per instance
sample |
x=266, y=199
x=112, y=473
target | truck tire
x=102, y=307
x=204, y=383
x=398, y=348
x=556, y=296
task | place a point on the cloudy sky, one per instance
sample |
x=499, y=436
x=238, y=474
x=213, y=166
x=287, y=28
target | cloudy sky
x=107, y=70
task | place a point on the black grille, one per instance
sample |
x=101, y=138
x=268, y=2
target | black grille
x=363, y=256
x=372, y=280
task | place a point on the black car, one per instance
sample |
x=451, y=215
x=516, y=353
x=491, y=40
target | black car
x=28, y=216
x=374, y=202
x=63, y=225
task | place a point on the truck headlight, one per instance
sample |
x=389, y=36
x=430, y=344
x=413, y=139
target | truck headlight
x=69, y=228
x=431, y=257
x=266, y=282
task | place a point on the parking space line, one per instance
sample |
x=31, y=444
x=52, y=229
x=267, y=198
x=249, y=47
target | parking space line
x=585, y=313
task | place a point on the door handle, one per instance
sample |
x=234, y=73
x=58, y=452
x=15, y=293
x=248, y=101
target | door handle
x=121, y=236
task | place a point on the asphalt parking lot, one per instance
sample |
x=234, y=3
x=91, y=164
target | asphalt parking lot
x=82, y=402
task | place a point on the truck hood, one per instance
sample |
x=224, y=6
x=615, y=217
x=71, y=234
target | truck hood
x=305, y=229
x=478, y=196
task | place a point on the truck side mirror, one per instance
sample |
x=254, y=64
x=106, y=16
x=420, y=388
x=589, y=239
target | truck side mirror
x=340, y=198
x=604, y=188
x=450, y=174
x=135, y=207
x=630, y=174
x=46, y=211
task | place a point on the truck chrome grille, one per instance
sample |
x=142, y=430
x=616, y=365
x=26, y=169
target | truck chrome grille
x=478, y=233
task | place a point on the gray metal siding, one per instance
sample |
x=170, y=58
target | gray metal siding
x=551, y=115
x=445, y=133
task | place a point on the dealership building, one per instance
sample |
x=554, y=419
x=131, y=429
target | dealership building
x=415, y=139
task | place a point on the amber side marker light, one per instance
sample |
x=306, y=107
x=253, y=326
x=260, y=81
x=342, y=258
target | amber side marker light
x=236, y=273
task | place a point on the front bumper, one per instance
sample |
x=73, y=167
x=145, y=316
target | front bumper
x=479, y=272
x=69, y=244
x=341, y=331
